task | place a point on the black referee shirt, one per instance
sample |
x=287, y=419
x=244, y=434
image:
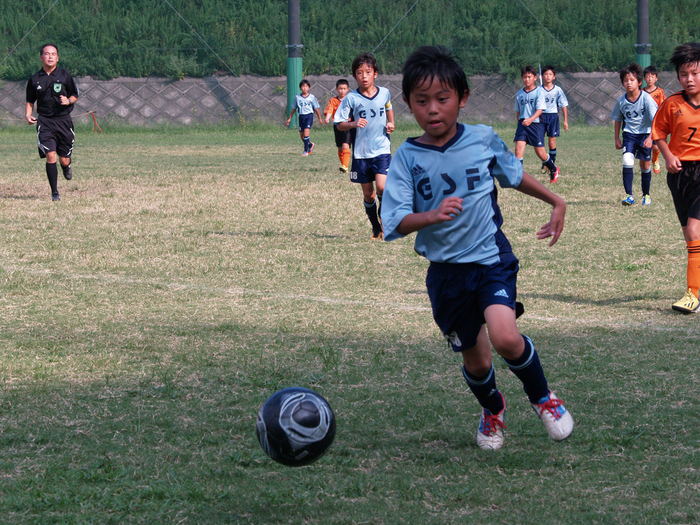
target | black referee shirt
x=46, y=88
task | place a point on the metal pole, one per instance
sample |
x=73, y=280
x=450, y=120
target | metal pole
x=294, y=56
x=643, y=47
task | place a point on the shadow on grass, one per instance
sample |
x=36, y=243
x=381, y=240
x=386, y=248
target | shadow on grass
x=577, y=299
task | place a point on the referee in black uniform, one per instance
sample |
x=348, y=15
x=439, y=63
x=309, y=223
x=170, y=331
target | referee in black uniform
x=55, y=92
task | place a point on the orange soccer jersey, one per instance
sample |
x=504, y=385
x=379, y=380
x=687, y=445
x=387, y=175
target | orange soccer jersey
x=679, y=118
x=658, y=95
x=332, y=106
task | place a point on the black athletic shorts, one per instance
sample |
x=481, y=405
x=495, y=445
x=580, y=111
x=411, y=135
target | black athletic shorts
x=343, y=137
x=55, y=134
x=685, y=190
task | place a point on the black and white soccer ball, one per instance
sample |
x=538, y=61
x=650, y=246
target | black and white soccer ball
x=295, y=426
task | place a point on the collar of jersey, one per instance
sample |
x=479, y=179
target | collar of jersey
x=687, y=99
x=444, y=147
x=365, y=96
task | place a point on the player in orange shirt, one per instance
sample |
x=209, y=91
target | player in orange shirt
x=343, y=139
x=651, y=77
x=679, y=116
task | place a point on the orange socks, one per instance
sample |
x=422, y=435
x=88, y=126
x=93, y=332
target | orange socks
x=655, y=155
x=344, y=156
x=693, y=272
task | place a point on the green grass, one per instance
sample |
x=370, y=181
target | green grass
x=188, y=274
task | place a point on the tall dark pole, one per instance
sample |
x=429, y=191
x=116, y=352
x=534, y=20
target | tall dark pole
x=643, y=46
x=294, y=55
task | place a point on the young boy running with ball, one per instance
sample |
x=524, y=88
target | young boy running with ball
x=441, y=185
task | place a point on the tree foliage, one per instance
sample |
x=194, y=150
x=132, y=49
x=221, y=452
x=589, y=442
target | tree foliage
x=177, y=38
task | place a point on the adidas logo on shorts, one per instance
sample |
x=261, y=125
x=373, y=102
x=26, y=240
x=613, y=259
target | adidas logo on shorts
x=501, y=293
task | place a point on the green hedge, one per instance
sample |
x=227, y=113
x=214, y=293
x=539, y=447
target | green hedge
x=109, y=38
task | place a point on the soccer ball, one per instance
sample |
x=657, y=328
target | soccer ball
x=295, y=426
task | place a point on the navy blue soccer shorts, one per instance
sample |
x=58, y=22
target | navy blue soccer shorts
x=306, y=121
x=532, y=134
x=550, y=122
x=634, y=143
x=343, y=137
x=459, y=294
x=55, y=134
x=365, y=170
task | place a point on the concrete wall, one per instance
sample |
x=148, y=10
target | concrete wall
x=153, y=101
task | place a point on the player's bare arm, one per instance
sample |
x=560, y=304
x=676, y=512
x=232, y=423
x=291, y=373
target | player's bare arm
x=390, y=126
x=29, y=109
x=565, y=113
x=673, y=163
x=618, y=141
x=448, y=209
x=553, y=228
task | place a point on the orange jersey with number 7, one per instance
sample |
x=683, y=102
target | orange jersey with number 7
x=679, y=118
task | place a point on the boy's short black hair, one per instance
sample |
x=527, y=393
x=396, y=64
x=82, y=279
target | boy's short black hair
x=366, y=59
x=304, y=81
x=429, y=62
x=651, y=70
x=341, y=82
x=549, y=68
x=634, y=69
x=688, y=53
x=528, y=69
x=44, y=46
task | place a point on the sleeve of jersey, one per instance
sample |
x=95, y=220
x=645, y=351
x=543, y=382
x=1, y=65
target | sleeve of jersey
x=30, y=92
x=504, y=166
x=616, y=114
x=397, y=201
x=343, y=113
x=660, y=126
x=72, y=88
x=541, y=102
x=562, y=102
x=314, y=103
x=652, y=107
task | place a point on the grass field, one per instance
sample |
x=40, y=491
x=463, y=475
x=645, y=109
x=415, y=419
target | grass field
x=188, y=274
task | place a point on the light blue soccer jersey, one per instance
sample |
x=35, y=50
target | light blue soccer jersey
x=527, y=102
x=422, y=176
x=372, y=140
x=554, y=99
x=306, y=104
x=637, y=115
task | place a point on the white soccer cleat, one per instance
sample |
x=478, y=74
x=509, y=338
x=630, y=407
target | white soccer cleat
x=556, y=419
x=489, y=435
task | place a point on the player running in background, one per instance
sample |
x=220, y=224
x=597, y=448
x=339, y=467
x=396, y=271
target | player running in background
x=529, y=105
x=554, y=99
x=55, y=93
x=307, y=105
x=442, y=185
x=633, y=113
x=369, y=107
x=651, y=76
x=343, y=139
x=679, y=116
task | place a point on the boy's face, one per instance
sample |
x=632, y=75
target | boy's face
x=529, y=80
x=650, y=79
x=436, y=106
x=365, y=76
x=49, y=57
x=305, y=89
x=548, y=77
x=689, y=78
x=342, y=90
x=630, y=83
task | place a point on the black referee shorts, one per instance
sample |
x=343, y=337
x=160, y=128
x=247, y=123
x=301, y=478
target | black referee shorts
x=685, y=190
x=55, y=134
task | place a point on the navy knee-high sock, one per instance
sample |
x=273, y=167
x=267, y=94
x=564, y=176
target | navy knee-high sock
x=627, y=179
x=484, y=388
x=553, y=154
x=307, y=143
x=646, y=182
x=529, y=370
